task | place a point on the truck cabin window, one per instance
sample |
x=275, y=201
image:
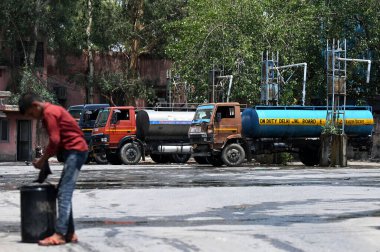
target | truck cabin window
x=102, y=118
x=76, y=113
x=225, y=112
x=91, y=115
x=120, y=115
x=203, y=114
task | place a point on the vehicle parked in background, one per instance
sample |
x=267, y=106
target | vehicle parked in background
x=126, y=135
x=221, y=134
x=76, y=111
x=86, y=115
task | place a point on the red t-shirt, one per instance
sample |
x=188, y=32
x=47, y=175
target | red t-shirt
x=64, y=132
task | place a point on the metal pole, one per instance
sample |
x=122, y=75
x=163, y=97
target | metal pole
x=304, y=77
x=213, y=82
x=304, y=85
x=327, y=79
x=267, y=81
x=369, y=62
x=345, y=87
x=333, y=81
x=229, y=87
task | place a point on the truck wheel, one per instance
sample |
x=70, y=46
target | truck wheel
x=113, y=159
x=130, y=153
x=180, y=158
x=201, y=160
x=100, y=158
x=214, y=160
x=160, y=159
x=309, y=156
x=233, y=155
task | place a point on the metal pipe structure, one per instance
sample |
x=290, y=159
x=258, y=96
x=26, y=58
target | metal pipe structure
x=304, y=77
x=230, y=77
x=360, y=60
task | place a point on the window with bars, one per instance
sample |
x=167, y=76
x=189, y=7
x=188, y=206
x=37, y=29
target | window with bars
x=4, y=131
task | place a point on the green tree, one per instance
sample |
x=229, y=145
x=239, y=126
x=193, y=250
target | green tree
x=233, y=34
x=358, y=22
x=134, y=28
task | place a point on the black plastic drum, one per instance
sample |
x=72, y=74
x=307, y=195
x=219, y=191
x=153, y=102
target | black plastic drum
x=38, y=211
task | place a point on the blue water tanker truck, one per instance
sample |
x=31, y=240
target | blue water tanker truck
x=221, y=134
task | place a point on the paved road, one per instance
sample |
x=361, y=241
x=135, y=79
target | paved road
x=199, y=208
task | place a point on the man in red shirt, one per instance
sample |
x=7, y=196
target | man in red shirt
x=64, y=136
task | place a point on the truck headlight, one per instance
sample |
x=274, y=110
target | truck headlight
x=104, y=139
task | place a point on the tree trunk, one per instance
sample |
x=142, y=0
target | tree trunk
x=136, y=10
x=34, y=37
x=33, y=47
x=90, y=59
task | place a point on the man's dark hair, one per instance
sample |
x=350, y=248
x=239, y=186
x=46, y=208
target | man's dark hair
x=26, y=100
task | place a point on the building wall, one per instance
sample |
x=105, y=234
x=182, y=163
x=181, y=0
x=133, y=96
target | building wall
x=5, y=77
x=73, y=74
x=8, y=150
x=69, y=77
x=155, y=69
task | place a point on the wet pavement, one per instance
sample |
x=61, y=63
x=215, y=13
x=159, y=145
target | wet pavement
x=190, y=207
x=149, y=175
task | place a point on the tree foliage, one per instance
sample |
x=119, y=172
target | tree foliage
x=29, y=82
x=197, y=35
x=232, y=35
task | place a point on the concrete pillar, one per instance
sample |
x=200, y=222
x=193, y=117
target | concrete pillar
x=375, y=152
x=324, y=159
x=333, y=150
x=339, y=150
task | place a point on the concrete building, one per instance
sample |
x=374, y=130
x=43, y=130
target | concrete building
x=16, y=138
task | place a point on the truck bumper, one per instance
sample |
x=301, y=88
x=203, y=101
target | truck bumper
x=101, y=148
x=204, y=150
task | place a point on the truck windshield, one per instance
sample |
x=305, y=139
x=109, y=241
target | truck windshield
x=203, y=114
x=102, y=118
x=76, y=113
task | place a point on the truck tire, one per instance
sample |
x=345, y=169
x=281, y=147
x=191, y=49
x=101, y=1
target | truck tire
x=180, y=158
x=100, y=158
x=309, y=156
x=215, y=160
x=114, y=159
x=130, y=153
x=201, y=160
x=160, y=159
x=233, y=155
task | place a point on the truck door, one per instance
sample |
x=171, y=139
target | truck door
x=225, y=123
x=121, y=125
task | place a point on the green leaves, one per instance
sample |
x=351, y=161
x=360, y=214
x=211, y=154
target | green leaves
x=222, y=33
x=200, y=34
x=30, y=82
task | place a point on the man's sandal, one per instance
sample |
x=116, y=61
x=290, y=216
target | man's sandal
x=53, y=240
x=73, y=238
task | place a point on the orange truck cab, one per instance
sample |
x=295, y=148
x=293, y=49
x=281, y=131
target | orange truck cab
x=114, y=127
x=216, y=135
